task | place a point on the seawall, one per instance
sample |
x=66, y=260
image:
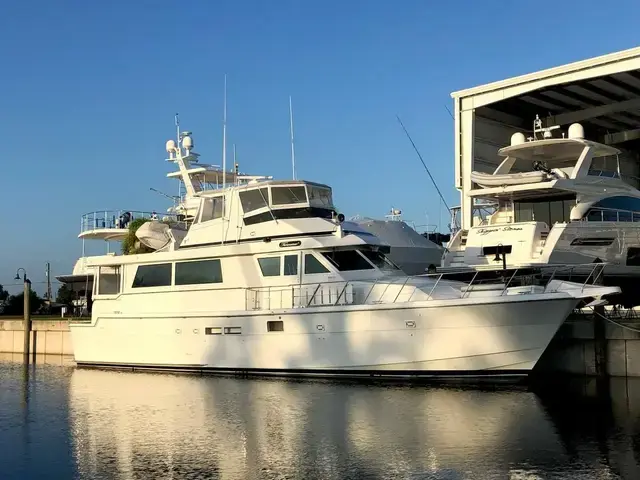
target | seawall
x=48, y=337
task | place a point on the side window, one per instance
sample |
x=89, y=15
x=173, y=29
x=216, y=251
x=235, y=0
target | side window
x=270, y=266
x=109, y=280
x=254, y=199
x=158, y=275
x=312, y=265
x=347, y=260
x=594, y=216
x=212, y=208
x=633, y=256
x=288, y=195
x=290, y=264
x=198, y=272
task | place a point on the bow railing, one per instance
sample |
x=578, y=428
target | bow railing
x=392, y=290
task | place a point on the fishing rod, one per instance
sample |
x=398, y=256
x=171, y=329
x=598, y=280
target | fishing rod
x=423, y=164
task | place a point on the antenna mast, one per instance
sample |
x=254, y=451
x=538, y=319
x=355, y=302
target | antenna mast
x=424, y=164
x=293, y=153
x=224, y=135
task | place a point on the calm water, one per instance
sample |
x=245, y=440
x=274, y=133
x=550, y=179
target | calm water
x=86, y=424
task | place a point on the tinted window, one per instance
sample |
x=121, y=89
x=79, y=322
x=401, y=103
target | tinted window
x=320, y=196
x=201, y=271
x=312, y=265
x=379, y=260
x=109, y=281
x=633, y=256
x=153, y=276
x=291, y=264
x=346, y=260
x=212, y=208
x=297, y=212
x=620, y=203
x=625, y=216
x=270, y=266
x=594, y=216
x=254, y=199
x=287, y=195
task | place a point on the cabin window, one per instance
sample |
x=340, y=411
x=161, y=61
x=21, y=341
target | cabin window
x=270, y=266
x=198, y=272
x=109, y=280
x=347, y=260
x=212, y=208
x=275, y=326
x=633, y=257
x=320, y=196
x=290, y=265
x=625, y=217
x=287, y=213
x=379, y=260
x=631, y=204
x=288, y=195
x=312, y=265
x=158, y=275
x=232, y=330
x=549, y=212
x=254, y=199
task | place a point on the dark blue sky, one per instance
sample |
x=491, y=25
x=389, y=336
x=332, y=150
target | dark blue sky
x=89, y=90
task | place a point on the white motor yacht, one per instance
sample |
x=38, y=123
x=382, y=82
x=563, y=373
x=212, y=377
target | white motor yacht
x=559, y=200
x=268, y=279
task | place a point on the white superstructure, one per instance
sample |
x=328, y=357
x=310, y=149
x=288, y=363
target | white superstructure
x=560, y=199
x=269, y=279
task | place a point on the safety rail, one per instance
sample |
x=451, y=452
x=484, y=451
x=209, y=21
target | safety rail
x=391, y=290
x=117, y=219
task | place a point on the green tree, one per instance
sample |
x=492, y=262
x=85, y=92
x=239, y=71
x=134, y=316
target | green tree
x=130, y=244
x=65, y=295
x=3, y=294
x=15, y=304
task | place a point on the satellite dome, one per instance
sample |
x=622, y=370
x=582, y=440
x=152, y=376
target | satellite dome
x=171, y=146
x=187, y=142
x=576, y=131
x=518, y=139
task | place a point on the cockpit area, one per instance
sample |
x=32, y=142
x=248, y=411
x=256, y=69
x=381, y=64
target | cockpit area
x=286, y=200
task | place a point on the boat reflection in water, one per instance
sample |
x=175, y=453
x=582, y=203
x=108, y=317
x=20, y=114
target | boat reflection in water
x=144, y=425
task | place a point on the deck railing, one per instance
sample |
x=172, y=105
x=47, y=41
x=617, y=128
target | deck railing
x=107, y=219
x=391, y=290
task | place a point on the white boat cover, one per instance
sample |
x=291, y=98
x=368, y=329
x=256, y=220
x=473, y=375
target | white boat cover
x=488, y=180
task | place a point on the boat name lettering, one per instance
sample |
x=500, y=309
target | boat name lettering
x=486, y=231
x=291, y=243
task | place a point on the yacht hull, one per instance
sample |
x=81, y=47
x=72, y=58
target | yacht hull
x=476, y=338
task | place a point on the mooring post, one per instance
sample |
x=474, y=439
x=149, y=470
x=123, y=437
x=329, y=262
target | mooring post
x=26, y=323
x=27, y=319
x=600, y=334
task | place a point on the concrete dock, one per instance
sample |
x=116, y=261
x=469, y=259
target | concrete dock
x=574, y=350
x=48, y=337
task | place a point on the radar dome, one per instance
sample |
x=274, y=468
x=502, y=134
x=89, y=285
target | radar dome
x=576, y=131
x=187, y=142
x=518, y=139
x=171, y=146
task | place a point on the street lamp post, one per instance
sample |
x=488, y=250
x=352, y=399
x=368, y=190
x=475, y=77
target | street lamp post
x=27, y=313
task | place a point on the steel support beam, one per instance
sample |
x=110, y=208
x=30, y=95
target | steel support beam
x=592, y=112
x=619, y=137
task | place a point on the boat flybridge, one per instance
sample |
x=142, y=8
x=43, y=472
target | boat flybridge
x=269, y=279
x=558, y=201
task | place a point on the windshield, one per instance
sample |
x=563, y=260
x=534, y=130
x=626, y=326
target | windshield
x=379, y=260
